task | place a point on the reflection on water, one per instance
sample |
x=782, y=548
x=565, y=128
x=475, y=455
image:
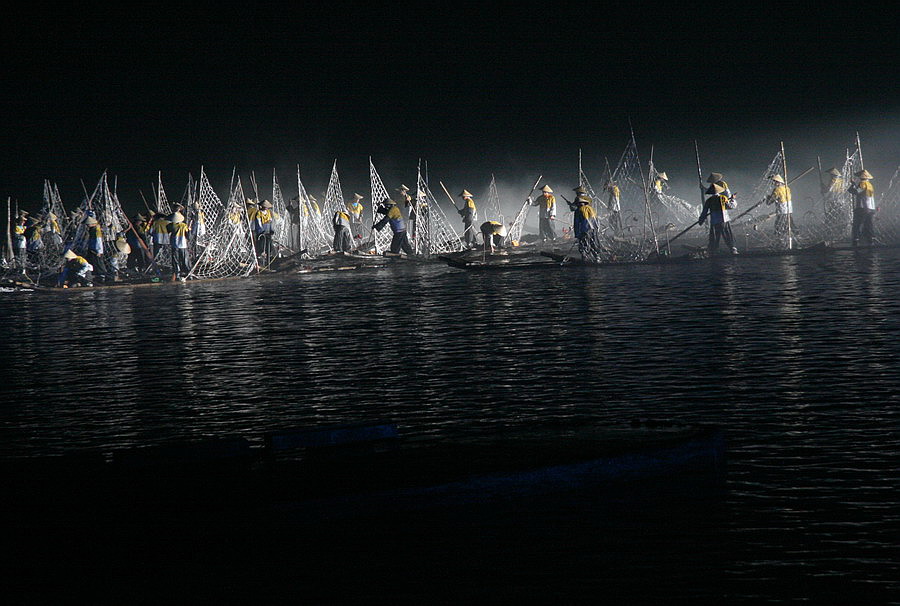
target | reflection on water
x=795, y=356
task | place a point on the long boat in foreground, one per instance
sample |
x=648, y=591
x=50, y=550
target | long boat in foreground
x=362, y=469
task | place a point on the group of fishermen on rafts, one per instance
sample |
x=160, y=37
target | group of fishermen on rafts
x=157, y=235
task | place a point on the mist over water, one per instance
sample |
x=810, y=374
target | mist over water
x=795, y=357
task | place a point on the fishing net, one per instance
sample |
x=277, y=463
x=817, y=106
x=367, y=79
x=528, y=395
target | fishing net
x=313, y=236
x=437, y=234
x=229, y=251
x=887, y=219
x=381, y=239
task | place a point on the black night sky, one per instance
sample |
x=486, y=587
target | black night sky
x=472, y=93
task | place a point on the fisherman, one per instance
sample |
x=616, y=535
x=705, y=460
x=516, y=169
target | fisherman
x=493, y=233
x=264, y=227
x=832, y=192
x=660, y=183
x=20, y=242
x=137, y=240
x=547, y=204
x=295, y=216
x=75, y=269
x=392, y=215
x=119, y=259
x=613, y=205
x=52, y=231
x=469, y=214
x=863, y=194
x=341, y=223
x=585, y=225
x=716, y=207
x=355, y=209
x=178, y=240
x=784, y=224
x=94, y=251
x=33, y=229
x=197, y=224
x=159, y=233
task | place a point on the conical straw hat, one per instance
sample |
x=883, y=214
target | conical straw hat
x=714, y=177
x=70, y=254
x=864, y=174
x=715, y=188
x=834, y=171
x=465, y=194
x=546, y=189
x=777, y=178
x=663, y=176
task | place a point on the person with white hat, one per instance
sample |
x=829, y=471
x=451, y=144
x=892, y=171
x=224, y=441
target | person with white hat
x=832, y=192
x=119, y=258
x=263, y=220
x=585, y=225
x=340, y=221
x=159, y=234
x=863, y=208
x=355, y=208
x=20, y=242
x=547, y=204
x=613, y=205
x=716, y=207
x=780, y=196
x=493, y=232
x=95, y=249
x=394, y=217
x=75, y=269
x=178, y=243
x=469, y=214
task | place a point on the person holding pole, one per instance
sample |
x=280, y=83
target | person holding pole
x=781, y=198
x=863, y=208
x=613, y=205
x=547, y=204
x=716, y=207
x=469, y=214
x=392, y=215
x=355, y=208
x=585, y=225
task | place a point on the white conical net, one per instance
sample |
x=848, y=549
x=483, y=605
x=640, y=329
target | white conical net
x=437, y=235
x=229, y=251
x=381, y=239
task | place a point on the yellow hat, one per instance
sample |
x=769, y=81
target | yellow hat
x=663, y=176
x=465, y=194
x=546, y=189
x=69, y=254
x=864, y=174
x=777, y=178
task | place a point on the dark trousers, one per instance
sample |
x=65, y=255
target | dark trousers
x=99, y=264
x=341, y=239
x=469, y=233
x=399, y=242
x=717, y=232
x=548, y=232
x=180, y=262
x=863, y=226
x=263, y=244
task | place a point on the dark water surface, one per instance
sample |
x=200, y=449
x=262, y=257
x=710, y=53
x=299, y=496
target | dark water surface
x=798, y=358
